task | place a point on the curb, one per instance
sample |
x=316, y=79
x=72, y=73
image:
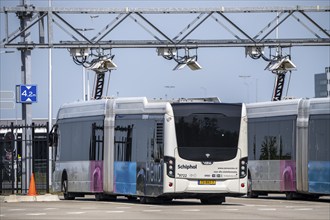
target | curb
x=39, y=198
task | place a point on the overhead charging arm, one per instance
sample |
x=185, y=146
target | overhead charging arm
x=278, y=88
x=99, y=85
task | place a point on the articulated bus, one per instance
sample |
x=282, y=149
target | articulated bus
x=151, y=150
x=289, y=148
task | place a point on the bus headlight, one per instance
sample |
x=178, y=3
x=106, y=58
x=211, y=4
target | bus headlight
x=170, y=166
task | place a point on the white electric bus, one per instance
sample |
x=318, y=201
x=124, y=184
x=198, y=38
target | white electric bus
x=289, y=148
x=152, y=150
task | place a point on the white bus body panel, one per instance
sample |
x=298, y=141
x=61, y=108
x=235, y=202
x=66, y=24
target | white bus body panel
x=268, y=175
x=188, y=173
x=296, y=174
x=186, y=180
x=78, y=172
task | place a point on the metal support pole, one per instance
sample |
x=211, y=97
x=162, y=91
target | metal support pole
x=50, y=97
x=26, y=108
x=13, y=169
x=84, y=97
x=33, y=141
x=48, y=161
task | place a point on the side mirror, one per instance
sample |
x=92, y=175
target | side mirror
x=53, y=136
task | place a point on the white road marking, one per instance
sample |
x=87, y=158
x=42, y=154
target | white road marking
x=267, y=209
x=75, y=213
x=152, y=210
x=14, y=210
x=36, y=214
x=50, y=208
x=304, y=209
x=191, y=210
x=88, y=208
x=115, y=211
x=1, y=215
x=229, y=209
x=123, y=207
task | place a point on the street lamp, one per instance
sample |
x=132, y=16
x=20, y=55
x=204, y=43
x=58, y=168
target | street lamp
x=245, y=77
x=168, y=87
x=7, y=51
x=247, y=84
x=205, y=91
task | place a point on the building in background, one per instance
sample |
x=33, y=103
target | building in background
x=322, y=83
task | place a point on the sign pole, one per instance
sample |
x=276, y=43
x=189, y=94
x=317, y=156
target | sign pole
x=50, y=96
x=26, y=108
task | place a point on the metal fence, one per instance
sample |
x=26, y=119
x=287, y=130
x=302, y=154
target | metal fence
x=24, y=149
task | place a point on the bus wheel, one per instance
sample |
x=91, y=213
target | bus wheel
x=131, y=198
x=167, y=200
x=66, y=194
x=99, y=197
x=151, y=200
x=250, y=193
x=312, y=197
x=143, y=200
x=290, y=195
x=105, y=197
x=213, y=200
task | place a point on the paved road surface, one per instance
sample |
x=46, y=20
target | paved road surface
x=234, y=208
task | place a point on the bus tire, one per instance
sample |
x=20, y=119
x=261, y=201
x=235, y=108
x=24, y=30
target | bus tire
x=151, y=200
x=99, y=197
x=144, y=200
x=166, y=200
x=131, y=198
x=290, y=195
x=105, y=197
x=313, y=197
x=213, y=200
x=66, y=194
x=250, y=193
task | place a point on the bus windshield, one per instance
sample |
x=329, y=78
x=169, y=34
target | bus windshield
x=207, y=131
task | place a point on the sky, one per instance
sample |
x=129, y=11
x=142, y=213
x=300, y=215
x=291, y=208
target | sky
x=141, y=72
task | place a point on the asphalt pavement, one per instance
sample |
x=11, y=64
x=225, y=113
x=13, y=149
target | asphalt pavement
x=272, y=207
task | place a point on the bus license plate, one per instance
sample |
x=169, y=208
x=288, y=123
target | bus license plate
x=206, y=182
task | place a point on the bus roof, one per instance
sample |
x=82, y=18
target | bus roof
x=273, y=108
x=83, y=108
x=319, y=106
x=288, y=107
x=132, y=105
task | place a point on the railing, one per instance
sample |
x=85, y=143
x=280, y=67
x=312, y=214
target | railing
x=21, y=155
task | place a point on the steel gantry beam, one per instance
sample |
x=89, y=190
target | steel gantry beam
x=60, y=31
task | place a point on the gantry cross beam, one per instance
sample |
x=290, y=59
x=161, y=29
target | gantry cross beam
x=51, y=27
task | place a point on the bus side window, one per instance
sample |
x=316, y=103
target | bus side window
x=158, y=145
x=123, y=142
x=96, y=142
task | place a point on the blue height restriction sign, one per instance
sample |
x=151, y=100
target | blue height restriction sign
x=26, y=93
